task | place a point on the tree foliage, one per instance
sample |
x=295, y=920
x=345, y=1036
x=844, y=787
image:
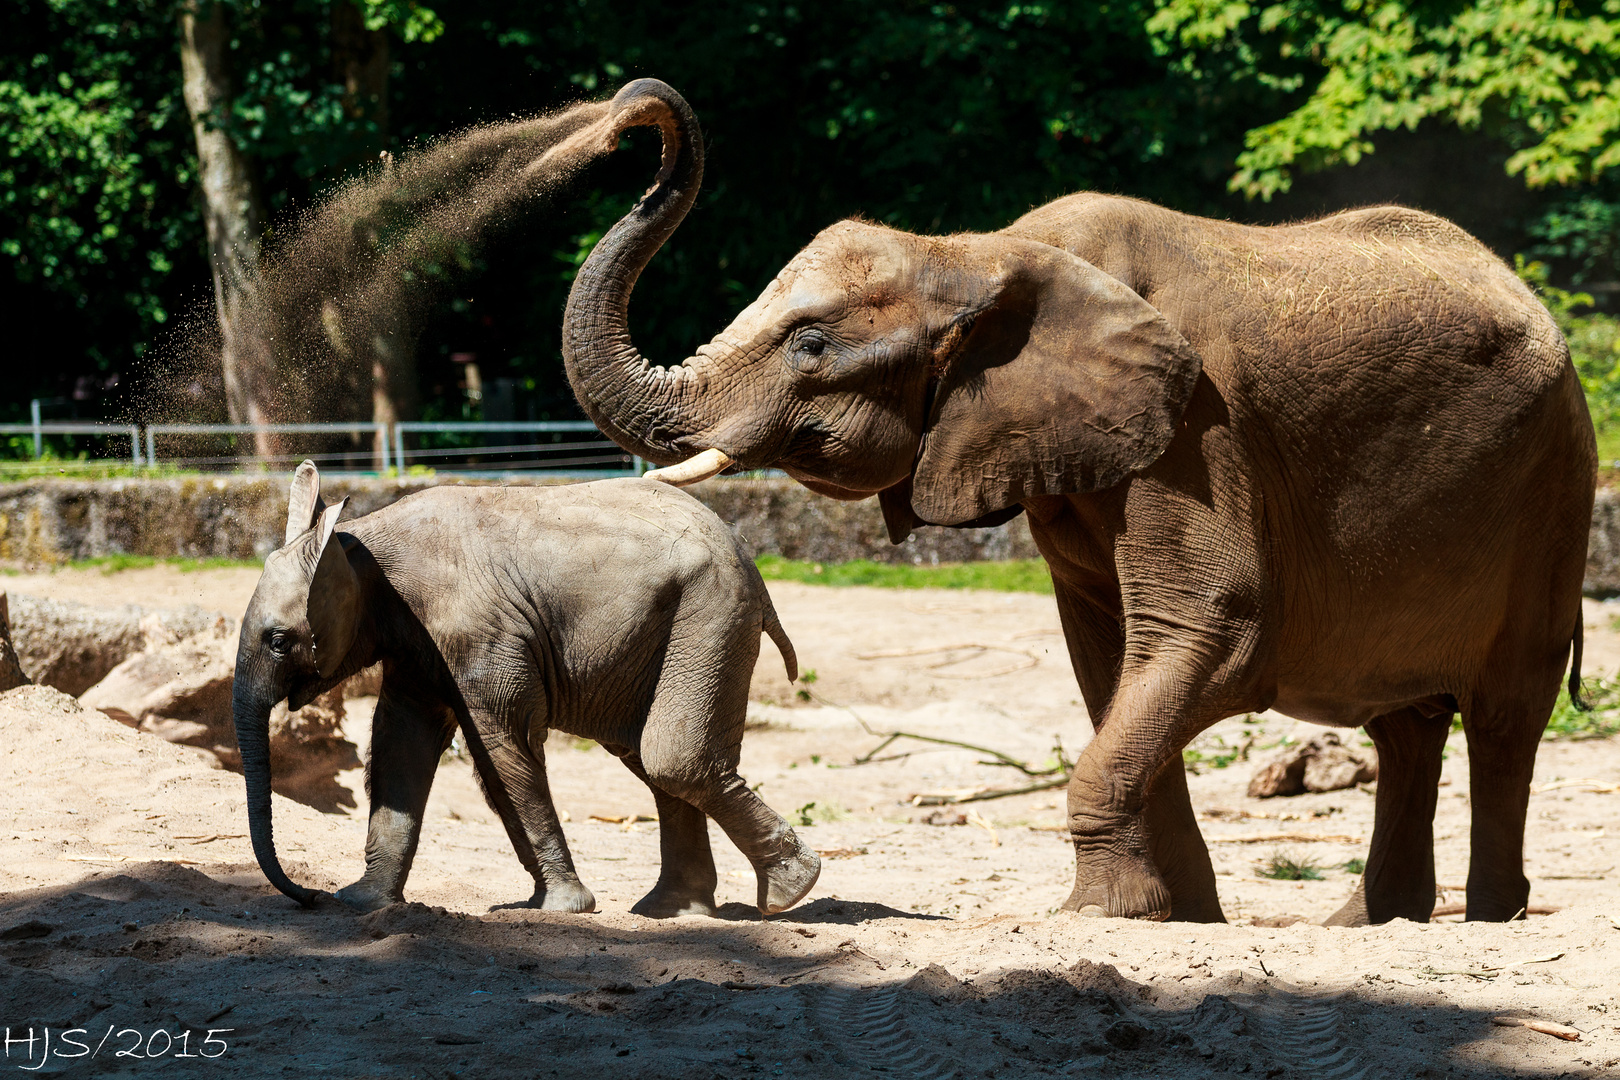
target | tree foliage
x=925, y=115
x=1542, y=74
x=95, y=173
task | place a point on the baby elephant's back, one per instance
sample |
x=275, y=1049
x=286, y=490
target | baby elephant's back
x=612, y=574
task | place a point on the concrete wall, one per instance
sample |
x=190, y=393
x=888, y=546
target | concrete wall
x=46, y=522
x=54, y=521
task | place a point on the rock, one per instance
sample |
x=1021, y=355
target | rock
x=1125, y=1035
x=11, y=672
x=33, y=928
x=1322, y=763
x=185, y=685
x=73, y=646
x=181, y=692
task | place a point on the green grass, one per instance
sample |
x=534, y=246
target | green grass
x=112, y=564
x=1282, y=867
x=1568, y=722
x=1354, y=866
x=1013, y=575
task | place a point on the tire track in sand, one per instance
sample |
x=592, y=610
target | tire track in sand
x=1308, y=1033
x=867, y=1026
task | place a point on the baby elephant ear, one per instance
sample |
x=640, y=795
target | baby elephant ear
x=334, y=595
x=304, y=506
x=1064, y=381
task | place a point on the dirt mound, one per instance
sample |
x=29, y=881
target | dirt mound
x=72, y=646
x=181, y=692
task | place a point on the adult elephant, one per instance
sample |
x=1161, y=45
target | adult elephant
x=1342, y=469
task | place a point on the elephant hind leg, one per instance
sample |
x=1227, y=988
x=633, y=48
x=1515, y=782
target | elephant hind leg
x=686, y=875
x=683, y=760
x=1399, y=879
x=1501, y=759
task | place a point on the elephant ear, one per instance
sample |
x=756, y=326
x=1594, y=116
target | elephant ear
x=304, y=505
x=334, y=594
x=1064, y=381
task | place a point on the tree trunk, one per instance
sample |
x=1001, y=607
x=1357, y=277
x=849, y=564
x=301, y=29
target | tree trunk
x=234, y=215
x=360, y=64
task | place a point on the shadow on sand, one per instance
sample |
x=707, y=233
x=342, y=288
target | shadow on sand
x=418, y=991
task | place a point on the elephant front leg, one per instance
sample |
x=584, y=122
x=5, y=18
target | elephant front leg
x=1178, y=848
x=1124, y=825
x=407, y=738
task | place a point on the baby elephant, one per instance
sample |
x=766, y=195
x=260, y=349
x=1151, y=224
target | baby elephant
x=619, y=610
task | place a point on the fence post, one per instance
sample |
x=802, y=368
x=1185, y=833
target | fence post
x=399, y=448
x=151, y=449
x=135, y=445
x=39, y=436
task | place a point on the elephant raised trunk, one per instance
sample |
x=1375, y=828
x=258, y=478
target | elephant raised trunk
x=251, y=704
x=645, y=409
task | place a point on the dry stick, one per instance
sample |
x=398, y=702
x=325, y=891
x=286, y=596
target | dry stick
x=1028, y=660
x=1546, y=1027
x=998, y=793
x=1062, y=768
x=1462, y=909
x=889, y=738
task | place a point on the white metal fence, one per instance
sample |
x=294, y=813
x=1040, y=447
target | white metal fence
x=474, y=448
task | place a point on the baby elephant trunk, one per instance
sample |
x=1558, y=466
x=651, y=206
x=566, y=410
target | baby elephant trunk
x=250, y=709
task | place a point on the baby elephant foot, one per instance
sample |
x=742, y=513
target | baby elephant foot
x=570, y=896
x=1125, y=886
x=787, y=878
x=366, y=896
x=669, y=899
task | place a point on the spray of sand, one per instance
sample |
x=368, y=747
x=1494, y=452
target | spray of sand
x=342, y=291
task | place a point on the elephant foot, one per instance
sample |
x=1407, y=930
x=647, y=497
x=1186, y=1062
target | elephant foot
x=365, y=896
x=1124, y=886
x=1353, y=913
x=570, y=896
x=667, y=900
x=788, y=878
x=1497, y=897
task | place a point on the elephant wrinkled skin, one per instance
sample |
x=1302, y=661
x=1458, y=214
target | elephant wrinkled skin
x=1343, y=469
x=620, y=610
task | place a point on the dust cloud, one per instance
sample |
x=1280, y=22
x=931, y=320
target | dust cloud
x=341, y=292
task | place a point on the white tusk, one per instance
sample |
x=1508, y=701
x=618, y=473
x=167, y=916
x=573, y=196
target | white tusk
x=695, y=468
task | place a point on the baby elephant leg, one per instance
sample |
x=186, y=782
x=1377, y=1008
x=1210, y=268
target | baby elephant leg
x=785, y=866
x=407, y=736
x=686, y=878
x=514, y=781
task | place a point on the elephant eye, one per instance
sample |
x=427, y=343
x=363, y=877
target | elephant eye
x=808, y=351
x=280, y=641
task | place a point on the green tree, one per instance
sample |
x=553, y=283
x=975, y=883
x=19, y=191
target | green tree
x=97, y=233
x=1542, y=74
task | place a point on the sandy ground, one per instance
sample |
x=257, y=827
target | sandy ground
x=132, y=910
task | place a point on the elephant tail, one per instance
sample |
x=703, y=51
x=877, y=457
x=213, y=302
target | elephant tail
x=773, y=627
x=1575, y=698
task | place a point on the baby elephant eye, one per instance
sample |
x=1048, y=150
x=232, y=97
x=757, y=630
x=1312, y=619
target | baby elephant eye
x=280, y=641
